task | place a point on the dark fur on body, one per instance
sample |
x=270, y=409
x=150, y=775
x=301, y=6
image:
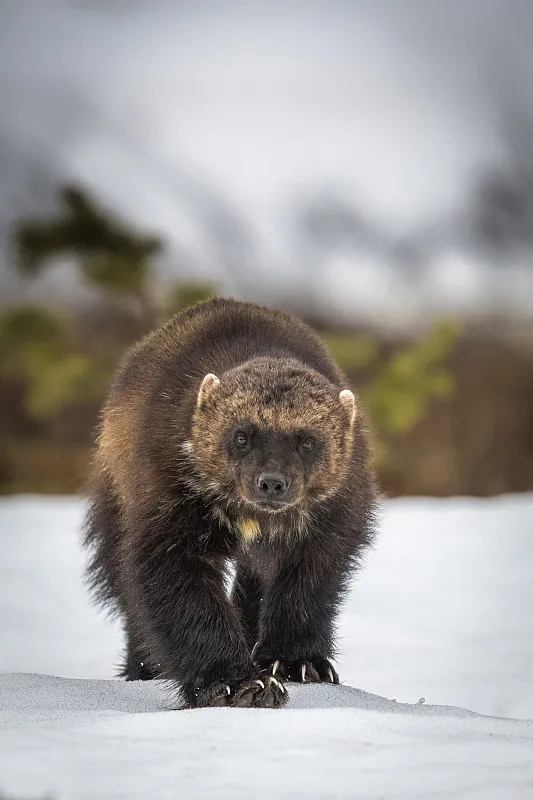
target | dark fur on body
x=172, y=503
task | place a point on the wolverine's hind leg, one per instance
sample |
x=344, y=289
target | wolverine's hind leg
x=103, y=534
x=137, y=666
x=246, y=597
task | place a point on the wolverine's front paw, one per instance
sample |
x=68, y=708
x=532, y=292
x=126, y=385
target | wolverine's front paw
x=316, y=670
x=263, y=692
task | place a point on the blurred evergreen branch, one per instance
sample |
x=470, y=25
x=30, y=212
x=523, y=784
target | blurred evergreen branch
x=109, y=253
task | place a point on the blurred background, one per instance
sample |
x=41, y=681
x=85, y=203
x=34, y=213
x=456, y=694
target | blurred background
x=367, y=165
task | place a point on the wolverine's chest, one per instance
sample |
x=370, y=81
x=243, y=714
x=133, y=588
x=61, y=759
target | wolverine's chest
x=248, y=529
x=259, y=541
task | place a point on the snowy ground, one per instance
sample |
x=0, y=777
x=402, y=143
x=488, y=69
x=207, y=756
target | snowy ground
x=441, y=611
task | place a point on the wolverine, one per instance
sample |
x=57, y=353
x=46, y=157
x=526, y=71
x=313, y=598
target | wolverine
x=231, y=501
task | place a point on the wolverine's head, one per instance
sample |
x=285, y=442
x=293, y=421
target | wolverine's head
x=271, y=434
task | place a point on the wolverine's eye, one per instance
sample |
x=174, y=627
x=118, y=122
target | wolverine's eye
x=307, y=445
x=241, y=439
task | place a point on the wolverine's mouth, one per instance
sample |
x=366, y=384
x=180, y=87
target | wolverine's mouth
x=273, y=506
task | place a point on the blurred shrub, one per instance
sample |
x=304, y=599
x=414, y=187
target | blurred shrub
x=397, y=396
x=35, y=349
x=477, y=442
x=351, y=352
x=28, y=333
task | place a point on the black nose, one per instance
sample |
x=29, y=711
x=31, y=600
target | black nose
x=272, y=485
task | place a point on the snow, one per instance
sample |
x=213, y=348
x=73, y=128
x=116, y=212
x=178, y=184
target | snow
x=442, y=610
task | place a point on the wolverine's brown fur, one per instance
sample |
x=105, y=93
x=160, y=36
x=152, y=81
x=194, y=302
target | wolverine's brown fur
x=173, y=499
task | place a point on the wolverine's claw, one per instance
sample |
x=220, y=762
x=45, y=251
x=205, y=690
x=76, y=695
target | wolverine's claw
x=316, y=670
x=277, y=683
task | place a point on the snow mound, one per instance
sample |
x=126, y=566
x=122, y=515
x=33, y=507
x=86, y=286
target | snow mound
x=45, y=697
x=111, y=739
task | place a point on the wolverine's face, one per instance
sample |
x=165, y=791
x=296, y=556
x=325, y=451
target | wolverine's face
x=274, y=469
x=272, y=435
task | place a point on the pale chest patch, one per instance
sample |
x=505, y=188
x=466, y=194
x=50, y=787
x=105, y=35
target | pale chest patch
x=248, y=528
x=251, y=530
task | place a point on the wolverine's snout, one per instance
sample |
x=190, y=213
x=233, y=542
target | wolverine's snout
x=272, y=486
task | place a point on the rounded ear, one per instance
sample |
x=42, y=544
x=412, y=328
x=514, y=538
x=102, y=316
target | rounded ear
x=208, y=385
x=347, y=400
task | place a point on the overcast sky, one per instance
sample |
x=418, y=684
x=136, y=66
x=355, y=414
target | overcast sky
x=395, y=105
